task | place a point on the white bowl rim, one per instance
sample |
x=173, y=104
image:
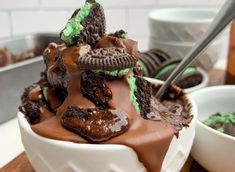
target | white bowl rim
x=94, y=147
x=163, y=11
x=214, y=89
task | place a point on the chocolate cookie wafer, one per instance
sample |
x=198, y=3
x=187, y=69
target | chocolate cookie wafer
x=109, y=59
x=119, y=34
x=143, y=95
x=154, y=60
x=86, y=26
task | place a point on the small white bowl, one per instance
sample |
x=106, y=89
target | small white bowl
x=180, y=24
x=215, y=151
x=47, y=155
x=179, y=50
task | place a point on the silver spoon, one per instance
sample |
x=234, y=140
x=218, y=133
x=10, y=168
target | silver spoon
x=221, y=20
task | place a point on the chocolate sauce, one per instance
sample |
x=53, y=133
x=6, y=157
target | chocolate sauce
x=129, y=45
x=150, y=139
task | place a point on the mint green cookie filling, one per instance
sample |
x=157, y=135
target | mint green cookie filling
x=74, y=26
x=124, y=35
x=139, y=62
x=115, y=73
x=132, y=83
x=165, y=69
x=44, y=91
x=189, y=70
x=224, y=119
x=169, y=67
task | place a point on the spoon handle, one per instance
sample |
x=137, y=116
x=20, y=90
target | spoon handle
x=221, y=20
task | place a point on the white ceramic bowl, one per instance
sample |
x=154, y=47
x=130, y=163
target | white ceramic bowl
x=47, y=155
x=179, y=50
x=215, y=151
x=180, y=24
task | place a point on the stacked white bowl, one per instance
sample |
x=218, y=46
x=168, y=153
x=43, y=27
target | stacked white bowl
x=176, y=30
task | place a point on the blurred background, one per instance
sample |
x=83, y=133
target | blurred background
x=30, y=16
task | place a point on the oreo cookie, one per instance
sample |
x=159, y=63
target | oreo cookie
x=143, y=95
x=106, y=59
x=94, y=124
x=190, y=78
x=86, y=26
x=153, y=60
x=119, y=34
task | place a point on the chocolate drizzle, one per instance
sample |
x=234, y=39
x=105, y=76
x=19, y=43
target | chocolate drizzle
x=154, y=138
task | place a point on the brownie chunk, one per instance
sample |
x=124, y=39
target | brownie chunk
x=31, y=108
x=94, y=124
x=94, y=88
x=57, y=74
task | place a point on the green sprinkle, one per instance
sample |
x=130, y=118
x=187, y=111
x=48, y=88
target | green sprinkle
x=132, y=83
x=139, y=62
x=224, y=119
x=74, y=26
x=227, y=118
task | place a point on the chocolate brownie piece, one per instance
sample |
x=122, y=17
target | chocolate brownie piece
x=32, y=111
x=57, y=74
x=31, y=107
x=94, y=124
x=94, y=88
